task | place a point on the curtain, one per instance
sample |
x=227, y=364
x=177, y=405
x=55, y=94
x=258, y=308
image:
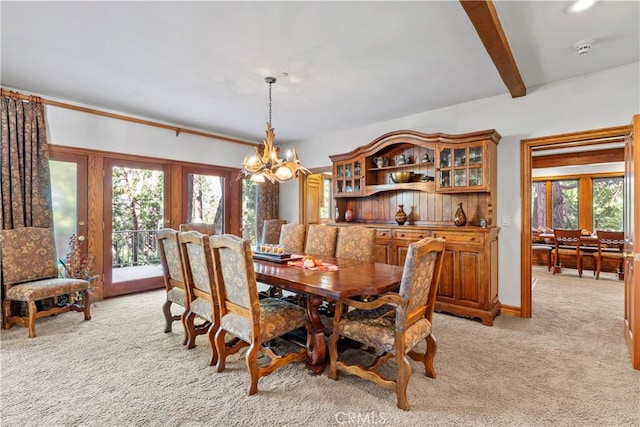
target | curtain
x=267, y=205
x=25, y=185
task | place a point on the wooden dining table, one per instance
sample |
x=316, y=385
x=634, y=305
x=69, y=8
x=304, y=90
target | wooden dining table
x=353, y=278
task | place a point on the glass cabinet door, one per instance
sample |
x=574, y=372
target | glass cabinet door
x=475, y=177
x=459, y=157
x=445, y=158
x=460, y=178
x=444, y=178
x=475, y=156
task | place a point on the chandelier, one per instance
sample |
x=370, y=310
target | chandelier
x=266, y=163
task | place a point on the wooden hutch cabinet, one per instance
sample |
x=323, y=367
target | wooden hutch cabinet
x=444, y=171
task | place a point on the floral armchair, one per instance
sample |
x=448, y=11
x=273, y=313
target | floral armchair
x=394, y=323
x=271, y=231
x=173, y=272
x=292, y=238
x=357, y=243
x=201, y=227
x=30, y=274
x=255, y=322
x=321, y=240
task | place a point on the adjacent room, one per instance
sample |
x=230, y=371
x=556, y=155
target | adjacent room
x=264, y=213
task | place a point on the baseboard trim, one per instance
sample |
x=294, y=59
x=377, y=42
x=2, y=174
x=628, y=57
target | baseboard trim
x=509, y=310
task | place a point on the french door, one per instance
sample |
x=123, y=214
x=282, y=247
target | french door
x=69, y=197
x=135, y=208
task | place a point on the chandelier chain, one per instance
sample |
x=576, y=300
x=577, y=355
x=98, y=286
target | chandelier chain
x=270, y=101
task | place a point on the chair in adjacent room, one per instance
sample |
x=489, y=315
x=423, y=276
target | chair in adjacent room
x=610, y=246
x=201, y=292
x=201, y=227
x=394, y=323
x=321, y=240
x=30, y=275
x=271, y=231
x=292, y=238
x=356, y=242
x=173, y=272
x=567, y=243
x=254, y=321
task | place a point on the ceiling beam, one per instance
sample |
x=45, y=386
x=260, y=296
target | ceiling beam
x=484, y=18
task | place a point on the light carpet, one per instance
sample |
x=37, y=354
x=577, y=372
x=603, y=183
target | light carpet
x=567, y=366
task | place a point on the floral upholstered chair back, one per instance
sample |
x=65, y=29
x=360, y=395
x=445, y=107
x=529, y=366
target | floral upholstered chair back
x=321, y=240
x=271, y=231
x=292, y=238
x=170, y=259
x=200, y=227
x=28, y=253
x=419, y=283
x=200, y=280
x=357, y=243
x=235, y=281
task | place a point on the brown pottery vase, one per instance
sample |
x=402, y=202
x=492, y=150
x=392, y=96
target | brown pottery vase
x=401, y=215
x=348, y=215
x=460, y=217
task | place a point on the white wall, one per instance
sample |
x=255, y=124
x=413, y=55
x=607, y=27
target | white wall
x=605, y=99
x=78, y=129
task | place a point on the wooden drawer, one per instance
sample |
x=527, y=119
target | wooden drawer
x=414, y=236
x=464, y=238
x=383, y=233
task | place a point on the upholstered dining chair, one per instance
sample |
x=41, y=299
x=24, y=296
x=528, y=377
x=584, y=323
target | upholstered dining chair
x=292, y=238
x=356, y=242
x=254, y=321
x=394, y=323
x=30, y=275
x=321, y=240
x=567, y=242
x=271, y=231
x=173, y=274
x=201, y=293
x=201, y=227
x=610, y=246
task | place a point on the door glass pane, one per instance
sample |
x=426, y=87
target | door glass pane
x=445, y=158
x=249, y=204
x=539, y=205
x=137, y=214
x=607, y=203
x=564, y=204
x=475, y=176
x=459, y=158
x=445, y=178
x=205, y=200
x=475, y=155
x=64, y=193
x=460, y=178
x=325, y=206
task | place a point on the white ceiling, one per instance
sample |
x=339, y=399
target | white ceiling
x=202, y=64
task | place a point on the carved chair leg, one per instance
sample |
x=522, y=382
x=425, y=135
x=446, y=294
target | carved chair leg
x=168, y=317
x=333, y=354
x=31, y=307
x=212, y=344
x=221, y=349
x=252, y=365
x=6, y=314
x=191, y=330
x=87, y=305
x=404, y=373
x=430, y=354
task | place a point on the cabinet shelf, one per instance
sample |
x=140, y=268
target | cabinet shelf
x=418, y=186
x=406, y=166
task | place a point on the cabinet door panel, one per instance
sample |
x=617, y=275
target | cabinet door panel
x=383, y=251
x=446, y=288
x=469, y=276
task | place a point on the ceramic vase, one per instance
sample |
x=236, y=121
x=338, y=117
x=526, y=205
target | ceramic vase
x=348, y=215
x=401, y=215
x=460, y=217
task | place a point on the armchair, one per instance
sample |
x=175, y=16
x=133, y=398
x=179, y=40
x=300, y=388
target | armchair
x=394, y=323
x=30, y=274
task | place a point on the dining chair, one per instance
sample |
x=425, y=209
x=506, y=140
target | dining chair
x=356, y=242
x=254, y=321
x=321, y=240
x=30, y=275
x=173, y=275
x=202, y=227
x=271, y=231
x=201, y=293
x=394, y=323
x=292, y=238
x=567, y=242
x=610, y=246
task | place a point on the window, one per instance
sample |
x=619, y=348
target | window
x=205, y=200
x=591, y=202
x=249, y=211
x=564, y=204
x=325, y=206
x=607, y=203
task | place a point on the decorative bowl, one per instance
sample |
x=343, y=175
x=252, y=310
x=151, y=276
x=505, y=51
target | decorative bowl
x=401, y=177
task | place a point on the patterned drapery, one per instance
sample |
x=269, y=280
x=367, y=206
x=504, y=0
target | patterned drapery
x=268, y=204
x=25, y=184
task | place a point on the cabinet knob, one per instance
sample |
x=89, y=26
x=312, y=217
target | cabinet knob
x=402, y=235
